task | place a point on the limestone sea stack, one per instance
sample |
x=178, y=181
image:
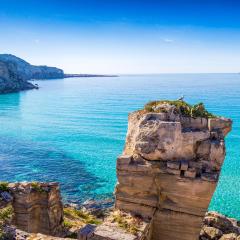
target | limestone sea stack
x=170, y=166
x=37, y=207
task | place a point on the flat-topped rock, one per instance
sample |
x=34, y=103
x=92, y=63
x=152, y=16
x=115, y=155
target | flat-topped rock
x=37, y=206
x=170, y=166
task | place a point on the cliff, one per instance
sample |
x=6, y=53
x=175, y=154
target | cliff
x=14, y=73
x=37, y=207
x=170, y=166
x=26, y=71
x=10, y=80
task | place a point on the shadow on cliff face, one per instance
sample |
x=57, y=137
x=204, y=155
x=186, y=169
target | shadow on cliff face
x=38, y=162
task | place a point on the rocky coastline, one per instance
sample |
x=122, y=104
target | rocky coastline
x=15, y=74
x=167, y=175
x=10, y=80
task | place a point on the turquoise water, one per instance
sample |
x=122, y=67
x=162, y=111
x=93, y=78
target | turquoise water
x=72, y=130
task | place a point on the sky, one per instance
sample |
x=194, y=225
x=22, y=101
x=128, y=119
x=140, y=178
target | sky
x=124, y=36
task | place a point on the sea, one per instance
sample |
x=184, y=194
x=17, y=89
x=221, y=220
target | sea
x=72, y=130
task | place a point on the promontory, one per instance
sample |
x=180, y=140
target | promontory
x=15, y=73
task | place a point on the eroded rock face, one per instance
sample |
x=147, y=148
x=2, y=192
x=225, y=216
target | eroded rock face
x=37, y=207
x=10, y=81
x=27, y=71
x=14, y=73
x=169, y=170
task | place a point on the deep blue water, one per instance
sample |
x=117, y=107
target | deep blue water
x=72, y=130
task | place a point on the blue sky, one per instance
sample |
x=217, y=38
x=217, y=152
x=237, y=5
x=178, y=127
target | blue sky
x=120, y=36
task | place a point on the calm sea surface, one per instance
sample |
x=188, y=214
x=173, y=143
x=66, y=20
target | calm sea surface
x=72, y=130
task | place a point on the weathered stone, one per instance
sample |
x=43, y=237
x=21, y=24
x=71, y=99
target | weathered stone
x=210, y=233
x=217, y=154
x=86, y=232
x=13, y=233
x=219, y=221
x=203, y=149
x=139, y=209
x=194, y=123
x=173, y=164
x=173, y=171
x=184, y=165
x=221, y=124
x=212, y=177
x=230, y=236
x=37, y=207
x=180, y=163
x=123, y=161
x=190, y=173
x=175, y=225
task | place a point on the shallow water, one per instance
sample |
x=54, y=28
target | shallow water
x=72, y=130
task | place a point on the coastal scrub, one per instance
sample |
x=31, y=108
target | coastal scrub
x=181, y=107
x=125, y=221
x=3, y=186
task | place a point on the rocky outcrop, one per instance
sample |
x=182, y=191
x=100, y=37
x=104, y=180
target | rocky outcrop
x=14, y=73
x=37, y=207
x=170, y=167
x=218, y=227
x=117, y=226
x=27, y=71
x=13, y=233
x=10, y=80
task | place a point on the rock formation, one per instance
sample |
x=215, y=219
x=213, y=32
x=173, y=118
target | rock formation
x=14, y=73
x=170, y=166
x=218, y=227
x=10, y=81
x=27, y=71
x=37, y=207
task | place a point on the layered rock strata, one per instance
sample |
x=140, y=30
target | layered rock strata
x=37, y=207
x=169, y=169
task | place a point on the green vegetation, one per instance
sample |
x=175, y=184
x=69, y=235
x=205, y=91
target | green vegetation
x=2, y=234
x=74, y=217
x=36, y=186
x=126, y=222
x=68, y=224
x=183, y=108
x=6, y=214
x=3, y=186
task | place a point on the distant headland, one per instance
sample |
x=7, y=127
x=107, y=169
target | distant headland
x=16, y=72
